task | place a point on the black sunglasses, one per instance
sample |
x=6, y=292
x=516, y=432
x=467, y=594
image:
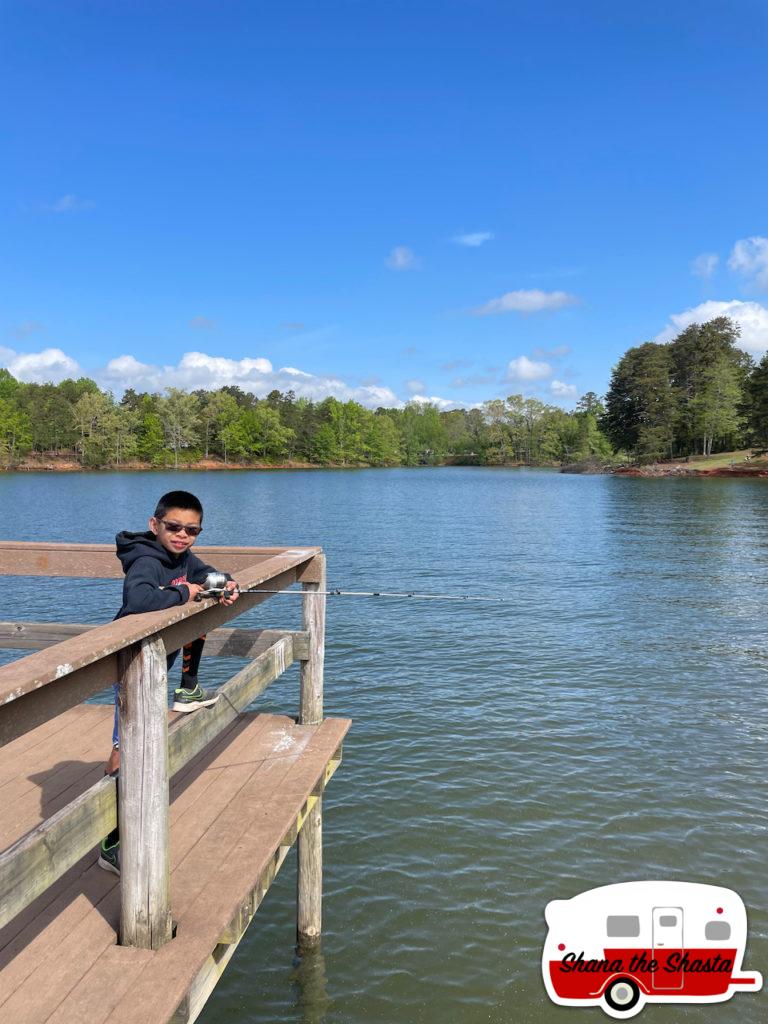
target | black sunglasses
x=193, y=531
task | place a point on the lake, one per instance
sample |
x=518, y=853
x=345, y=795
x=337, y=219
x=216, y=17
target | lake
x=602, y=719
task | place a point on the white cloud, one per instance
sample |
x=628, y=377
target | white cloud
x=749, y=258
x=561, y=390
x=414, y=386
x=71, y=204
x=705, y=265
x=751, y=317
x=443, y=404
x=198, y=370
x=524, y=368
x=37, y=367
x=474, y=239
x=294, y=372
x=194, y=370
x=526, y=301
x=402, y=258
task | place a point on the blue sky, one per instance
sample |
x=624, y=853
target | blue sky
x=456, y=200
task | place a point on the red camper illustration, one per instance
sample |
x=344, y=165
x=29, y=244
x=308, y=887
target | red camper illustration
x=622, y=946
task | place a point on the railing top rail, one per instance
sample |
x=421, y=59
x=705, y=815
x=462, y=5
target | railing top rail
x=93, y=654
x=87, y=561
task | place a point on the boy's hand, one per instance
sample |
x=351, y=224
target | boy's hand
x=194, y=590
x=231, y=593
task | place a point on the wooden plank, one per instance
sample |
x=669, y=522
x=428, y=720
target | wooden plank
x=74, y=731
x=35, y=861
x=112, y=975
x=38, y=859
x=88, y=561
x=145, y=873
x=44, y=933
x=229, y=642
x=65, y=964
x=313, y=623
x=31, y=709
x=86, y=664
x=215, y=963
x=251, y=831
x=309, y=875
x=36, y=796
x=41, y=734
x=62, y=660
x=194, y=732
x=255, y=824
x=68, y=967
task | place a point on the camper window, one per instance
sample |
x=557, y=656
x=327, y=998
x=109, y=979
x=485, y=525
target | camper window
x=668, y=920
x=717, y=930
x=622, y=927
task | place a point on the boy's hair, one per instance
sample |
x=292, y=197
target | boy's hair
x=178, y=499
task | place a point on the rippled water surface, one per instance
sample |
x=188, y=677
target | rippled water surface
x=603, y=720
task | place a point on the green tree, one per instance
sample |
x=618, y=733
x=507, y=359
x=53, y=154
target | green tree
x=757, y=403
x=344, y=436
x=707, y=367
x=180, y=416
x=94, y=417
x=641, y=405
x=123, y=428
x=325, y=445
x=224, y=411
x=257, y=433
x=150, y=438
x=15, y=431
x=9, y=386
x=499, y=448
x=381, y=441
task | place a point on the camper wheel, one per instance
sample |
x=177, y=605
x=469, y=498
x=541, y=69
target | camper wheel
x=622, y=995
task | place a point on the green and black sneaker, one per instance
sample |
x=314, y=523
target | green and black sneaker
x=191, y=700
x=109, y=857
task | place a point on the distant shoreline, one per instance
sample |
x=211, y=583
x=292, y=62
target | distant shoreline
x=679, y=468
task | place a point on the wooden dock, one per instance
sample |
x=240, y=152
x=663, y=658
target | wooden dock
x=79, y=943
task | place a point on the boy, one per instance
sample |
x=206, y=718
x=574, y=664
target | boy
x=161, y=572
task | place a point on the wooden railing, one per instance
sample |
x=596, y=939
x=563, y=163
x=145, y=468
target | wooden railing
x=74, y=662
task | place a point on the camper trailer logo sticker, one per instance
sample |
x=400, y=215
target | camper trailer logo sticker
x=622, y=946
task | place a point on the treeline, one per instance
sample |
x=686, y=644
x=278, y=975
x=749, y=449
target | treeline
x=695, y=395
x=77, y=419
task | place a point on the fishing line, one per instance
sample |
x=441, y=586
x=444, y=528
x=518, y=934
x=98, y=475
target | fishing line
x=379, y=593
x=216, y=582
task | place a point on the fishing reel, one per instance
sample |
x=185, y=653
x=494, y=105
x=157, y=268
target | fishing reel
x=214, y=585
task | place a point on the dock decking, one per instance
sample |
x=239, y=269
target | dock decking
x=235, y=812
x=244, y=787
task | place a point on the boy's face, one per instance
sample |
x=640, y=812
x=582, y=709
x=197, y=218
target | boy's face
x=174, y=540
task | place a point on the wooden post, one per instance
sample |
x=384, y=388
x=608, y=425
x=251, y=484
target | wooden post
x=310, y=840
x=145, y=877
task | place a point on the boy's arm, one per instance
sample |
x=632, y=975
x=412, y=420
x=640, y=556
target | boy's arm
x=143, y=592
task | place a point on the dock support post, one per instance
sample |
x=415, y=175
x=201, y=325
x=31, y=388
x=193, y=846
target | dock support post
x=310, y=839
x=143, y=791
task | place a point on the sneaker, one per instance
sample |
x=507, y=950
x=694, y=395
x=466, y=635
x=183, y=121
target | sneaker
x=191, y=700
x=109, y=857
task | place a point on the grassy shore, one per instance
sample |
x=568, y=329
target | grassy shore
x=745, y=462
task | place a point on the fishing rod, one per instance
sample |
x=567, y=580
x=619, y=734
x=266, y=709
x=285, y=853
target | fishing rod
x=381, y=593
x=215, y=586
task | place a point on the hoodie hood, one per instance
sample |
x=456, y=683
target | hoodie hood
x=131, y=546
